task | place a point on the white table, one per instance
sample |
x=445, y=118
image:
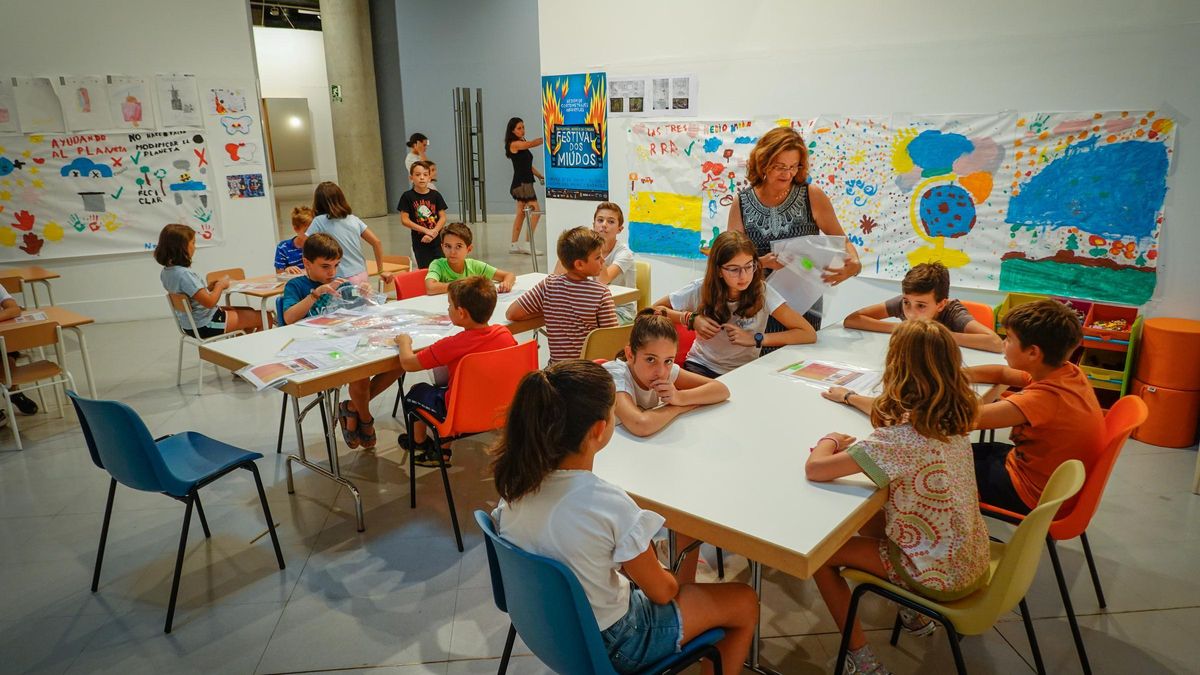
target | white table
x=263, y=346
x=732, y=474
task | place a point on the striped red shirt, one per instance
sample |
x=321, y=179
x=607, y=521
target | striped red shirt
x=571, y=310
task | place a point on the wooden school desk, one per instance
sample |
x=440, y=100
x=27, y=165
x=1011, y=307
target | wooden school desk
x=266, y=296
x=732, y=474
x=70, y=321
x=236, y=353
x=32, y=274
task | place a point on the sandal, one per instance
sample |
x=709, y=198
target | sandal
x=366, y=433
x=427, y=456
x=350, y=436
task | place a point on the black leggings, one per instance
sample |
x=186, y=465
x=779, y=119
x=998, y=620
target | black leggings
x=995, y=485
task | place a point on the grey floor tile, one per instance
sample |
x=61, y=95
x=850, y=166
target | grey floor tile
x=45, y=645
x=480, y=629
x=987, y=653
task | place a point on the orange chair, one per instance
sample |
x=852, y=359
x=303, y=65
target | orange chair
x=981, y=313
x=480, y=393
x=1073, y=519
x=410, y=284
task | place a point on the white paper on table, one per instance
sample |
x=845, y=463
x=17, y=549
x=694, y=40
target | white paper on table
x=253, y=286
x=275, y=373
x=804, y=260
x=331, y=319
x=826, y=374
x=320, y=346
x=30, y=317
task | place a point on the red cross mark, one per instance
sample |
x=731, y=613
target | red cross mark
x=200, y=155
x=116, y=161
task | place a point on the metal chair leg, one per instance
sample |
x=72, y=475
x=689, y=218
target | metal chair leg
x=437, y=444
x=262, y=498
x=896, y=630
x=1066, y=597
x=112, y=491
x=851, y=613
x=399, y=394
x=179, y=365
x=1033, y=643
x=508, y=647
x=1087, y=553
x=409, y=418
x=720, y=563
x=956, y=648
x=203, y=520
x=187, y=519
x=282, y=419
x=199, y=378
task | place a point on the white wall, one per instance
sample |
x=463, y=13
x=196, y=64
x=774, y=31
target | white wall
x=134, y=37
x=291, y=64
x=777, y=57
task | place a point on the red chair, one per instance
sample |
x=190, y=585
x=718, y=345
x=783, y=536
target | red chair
x=686, y=337
x=480, y=393
x=1073, y=518
x=981, y=313
x=410, y=284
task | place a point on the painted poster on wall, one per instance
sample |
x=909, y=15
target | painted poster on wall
x=1058, y=203
x=85, y=104
x=575, y=124
x=67, y=195
x=129, y=102
x=178, y=101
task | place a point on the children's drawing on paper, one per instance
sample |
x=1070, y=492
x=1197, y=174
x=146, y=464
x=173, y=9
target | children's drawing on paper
x=226, y=101
x=37, y=105
x=85, y=103
x=178, y=100
x=129, y=102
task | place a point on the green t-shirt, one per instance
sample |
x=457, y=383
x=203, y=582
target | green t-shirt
x=439, y=270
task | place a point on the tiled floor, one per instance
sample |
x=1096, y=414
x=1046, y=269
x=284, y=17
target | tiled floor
x=398, y=599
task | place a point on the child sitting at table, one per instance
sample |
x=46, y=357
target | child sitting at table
x=619, y=266
x=9, y=309
x=573, y=304
x=176, y=246
x=456, y=246
x=334, y=217
x=1054, y=418
x=932, y=538
x=925, y=294
x=289, y=253
x=554, y=506
x=310, y=295
x=471, y=303
x=729, y=308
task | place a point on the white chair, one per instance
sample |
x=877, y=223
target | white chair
x=35, y=375
x=181, y=305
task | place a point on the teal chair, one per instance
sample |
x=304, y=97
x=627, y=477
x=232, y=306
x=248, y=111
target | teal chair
x=177, y=465
x=550, y=611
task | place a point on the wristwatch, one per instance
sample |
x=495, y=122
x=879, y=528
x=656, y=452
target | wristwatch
x=758, y=338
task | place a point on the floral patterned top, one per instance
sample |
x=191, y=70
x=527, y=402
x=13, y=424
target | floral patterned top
x=937, y=541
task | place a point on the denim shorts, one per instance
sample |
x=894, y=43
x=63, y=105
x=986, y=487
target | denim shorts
x=646, y=634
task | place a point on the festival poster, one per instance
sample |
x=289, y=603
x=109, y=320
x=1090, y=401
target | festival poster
x=575, y=124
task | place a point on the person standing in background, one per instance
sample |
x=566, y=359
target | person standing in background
x=516, y=148
x=418, y=145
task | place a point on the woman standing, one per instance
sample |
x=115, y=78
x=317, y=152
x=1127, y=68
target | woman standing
x=781, y=204
x=417, y=144
x=516, y=148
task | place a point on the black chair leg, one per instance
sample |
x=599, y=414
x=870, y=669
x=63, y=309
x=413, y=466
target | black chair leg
x=1066, y=597
x=954, y=638
x=720, y=563
x=508, y=647
x=399, y=394
x=187, y=520
x=203, y=520
x=1033, y=643
x=412, y=460
x=896, y=630
x=1087, y=552
x=112, y=491
x=437, y=444
x=262, y=497
x=324, y=419
x=851, y=613
x=282, y=419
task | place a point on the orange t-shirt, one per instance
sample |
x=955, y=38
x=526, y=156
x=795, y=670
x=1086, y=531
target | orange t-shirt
x=1064, y=422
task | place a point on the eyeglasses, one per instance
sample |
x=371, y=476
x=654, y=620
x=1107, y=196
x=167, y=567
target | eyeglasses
x=785, y=168
x=736, y=271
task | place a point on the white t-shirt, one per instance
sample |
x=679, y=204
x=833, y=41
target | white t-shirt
x=623, y=379
x=410, y=159
x=718, y=353
x=623, y=257
x=590, y=526
x=348, y=233
x=4, y=294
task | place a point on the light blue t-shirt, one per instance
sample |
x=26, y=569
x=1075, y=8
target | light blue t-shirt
x=348, y=233
x=184, y=280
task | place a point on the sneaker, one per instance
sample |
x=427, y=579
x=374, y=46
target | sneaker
x=23, y=403
x=862, y=661
x=915, y=623
x=517, y=249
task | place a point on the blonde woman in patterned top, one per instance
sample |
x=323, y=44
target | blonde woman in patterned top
x=932, y=538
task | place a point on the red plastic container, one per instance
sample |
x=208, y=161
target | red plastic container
x=1115, y=340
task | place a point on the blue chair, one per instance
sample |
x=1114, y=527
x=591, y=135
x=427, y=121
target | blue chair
x=177, y=465
x=549, y=609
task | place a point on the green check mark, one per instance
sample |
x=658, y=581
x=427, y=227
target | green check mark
x=118, y=194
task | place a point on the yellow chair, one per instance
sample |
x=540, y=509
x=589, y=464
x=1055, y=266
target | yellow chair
x=604, y=343
x=1013, y=567
x=642, y=271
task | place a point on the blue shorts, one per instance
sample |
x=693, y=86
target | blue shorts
x=428, y=397
x=646, y=634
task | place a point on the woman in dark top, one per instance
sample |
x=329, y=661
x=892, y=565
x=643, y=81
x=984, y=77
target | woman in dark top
x=516, y=148
x=781, y=204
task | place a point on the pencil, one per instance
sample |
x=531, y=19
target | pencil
x=285, y=345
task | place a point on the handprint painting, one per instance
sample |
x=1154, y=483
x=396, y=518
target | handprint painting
x=64, y=196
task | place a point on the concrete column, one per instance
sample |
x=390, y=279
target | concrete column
x=346, y=27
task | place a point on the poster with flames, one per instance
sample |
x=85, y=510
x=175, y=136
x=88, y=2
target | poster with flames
x=575, y=126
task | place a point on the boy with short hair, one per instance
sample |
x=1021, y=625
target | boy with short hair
x=309, y=295
x=1054, y=418
x=9, y=309
x=471, y=302
x=423, y=211
x=455, y=265
x=926, y=295
x=289, y=253
x=573, y=304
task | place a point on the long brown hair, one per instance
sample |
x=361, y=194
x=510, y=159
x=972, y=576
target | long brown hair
x=924, y=383
x=714, y=295
x=550, y=415
x=329, y=200
x=650, y=323
x=775, y=141
x=172, y=248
